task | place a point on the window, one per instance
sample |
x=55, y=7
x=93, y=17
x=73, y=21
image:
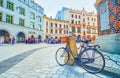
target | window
x=72, y=16
x=10, y=5
x=79, y=17
x=83, y=32
x=32, y=15
x=51, y=24
x=21, y=22
x=88, y=18
x=93, y=31
x=78, y=30
x=88, y=30
x=83, y=19
x=46, y=30
x=83, y=14
x=1, y=2
x=9, y=19
x=75, y=16
x=56, y=25
x=64, y=26
x=32, y=25
x=51, y=31
x=0, y=16
x=64, y=31
x=72, y=21
x=60, y=25
x=92, y=19
x=78, y=22
x=21, y=11
x=73, y=29
x=39, y=27
x=56, y=31
x=39, y=19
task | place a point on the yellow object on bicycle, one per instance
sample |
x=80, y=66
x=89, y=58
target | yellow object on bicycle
x=72, y=46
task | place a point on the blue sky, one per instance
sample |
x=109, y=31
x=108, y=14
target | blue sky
x=52, y=6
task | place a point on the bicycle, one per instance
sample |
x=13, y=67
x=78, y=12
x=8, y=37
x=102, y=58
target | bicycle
x=88, y=57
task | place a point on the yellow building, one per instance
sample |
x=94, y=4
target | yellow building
x=81, y=22
x=55, y=28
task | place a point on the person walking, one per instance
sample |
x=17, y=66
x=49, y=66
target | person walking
x=1, y=41
x=39, y=39
x=13, y=40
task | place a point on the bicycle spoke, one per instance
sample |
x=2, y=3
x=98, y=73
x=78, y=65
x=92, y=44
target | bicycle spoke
x=62, y=56
x=93, y=61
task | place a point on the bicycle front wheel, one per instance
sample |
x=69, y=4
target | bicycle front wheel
x=62, y=56
x=92, y=61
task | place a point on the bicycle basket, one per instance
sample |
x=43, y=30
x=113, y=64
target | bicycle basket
x=64, y=39
x=82, y=44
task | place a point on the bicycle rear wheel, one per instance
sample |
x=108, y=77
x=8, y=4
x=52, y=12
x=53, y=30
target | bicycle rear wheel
x=62, y=56
x=92, y=61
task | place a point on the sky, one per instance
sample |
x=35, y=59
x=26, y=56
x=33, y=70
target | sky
x=51, y=7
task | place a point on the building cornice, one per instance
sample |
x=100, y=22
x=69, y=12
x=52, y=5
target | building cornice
x=55, y=20
x=82, y=11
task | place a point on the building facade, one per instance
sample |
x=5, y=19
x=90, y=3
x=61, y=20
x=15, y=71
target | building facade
x=55, y=28
x=108, y=13
x=21, y=19
x=81, y=22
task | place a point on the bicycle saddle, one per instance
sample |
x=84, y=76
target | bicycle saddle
x=85, y=41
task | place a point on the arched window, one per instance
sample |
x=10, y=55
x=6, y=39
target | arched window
x=21, y=37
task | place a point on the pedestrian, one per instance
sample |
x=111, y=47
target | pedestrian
x=46, y=39
x=28, y=40
x=39, y=39
x=56, y=40
x=13, y=40
x=1, y=41
x=52, y=40
x=78, y=39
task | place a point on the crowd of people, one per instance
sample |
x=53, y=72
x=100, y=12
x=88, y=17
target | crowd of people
x=78, y=38
x=10, y=40
x=33, y=40
x=52, y=40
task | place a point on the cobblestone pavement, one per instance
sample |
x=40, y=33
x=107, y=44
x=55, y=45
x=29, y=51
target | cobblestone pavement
x=40, y=63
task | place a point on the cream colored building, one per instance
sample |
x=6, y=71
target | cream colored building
x=21, y=19
x=81, y=22
x=55, y=28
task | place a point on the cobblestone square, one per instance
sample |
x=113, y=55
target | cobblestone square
x=38, y=62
